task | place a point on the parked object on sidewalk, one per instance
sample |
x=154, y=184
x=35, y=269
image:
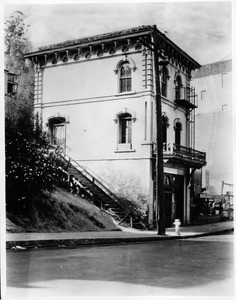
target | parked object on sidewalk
x=177, y=224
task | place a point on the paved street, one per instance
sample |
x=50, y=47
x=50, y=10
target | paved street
x=196, y=267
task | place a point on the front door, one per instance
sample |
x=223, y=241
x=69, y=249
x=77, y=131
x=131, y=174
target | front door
x=179, y=197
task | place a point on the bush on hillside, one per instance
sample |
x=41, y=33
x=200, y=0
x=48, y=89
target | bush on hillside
x=32, y=166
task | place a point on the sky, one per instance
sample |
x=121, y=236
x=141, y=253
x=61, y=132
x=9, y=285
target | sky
x=202, y=29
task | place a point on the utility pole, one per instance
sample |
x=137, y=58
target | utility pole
x=160, y=205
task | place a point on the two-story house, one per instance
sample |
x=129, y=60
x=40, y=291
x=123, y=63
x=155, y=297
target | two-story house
x=96, y=98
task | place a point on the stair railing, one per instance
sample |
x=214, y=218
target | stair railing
x=95, y=175
x=98, y=183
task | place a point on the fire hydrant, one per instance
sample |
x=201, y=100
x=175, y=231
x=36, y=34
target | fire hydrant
x=177, y=224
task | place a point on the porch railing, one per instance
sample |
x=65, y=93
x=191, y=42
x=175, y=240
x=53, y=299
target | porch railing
x=184, y=152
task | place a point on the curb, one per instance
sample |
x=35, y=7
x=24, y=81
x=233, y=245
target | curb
x=61, y=243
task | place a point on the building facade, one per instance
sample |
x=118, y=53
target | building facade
x=96, y=97
x=214, y=123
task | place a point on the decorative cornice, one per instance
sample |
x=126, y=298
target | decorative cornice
x=97, y=37
x=110, y=43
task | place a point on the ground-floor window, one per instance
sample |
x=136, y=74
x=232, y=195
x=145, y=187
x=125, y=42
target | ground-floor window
x=57, y=131
x=124, y=120
x=125, y=128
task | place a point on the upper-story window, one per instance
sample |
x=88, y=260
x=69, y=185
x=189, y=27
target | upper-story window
x=164, y=78
x=125, y=78
x=124, y=70
x=178, y=85
x=178, y=128
x=165, y=125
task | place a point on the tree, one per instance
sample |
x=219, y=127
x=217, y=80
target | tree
x=19, y=109
x=16, y=42
x=31, y=166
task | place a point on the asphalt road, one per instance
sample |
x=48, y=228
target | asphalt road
x=193, y=267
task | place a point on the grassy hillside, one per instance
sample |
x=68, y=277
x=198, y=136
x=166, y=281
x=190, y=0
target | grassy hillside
x=61, y=212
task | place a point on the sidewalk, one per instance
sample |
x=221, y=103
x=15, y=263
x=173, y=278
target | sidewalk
x=63, y=239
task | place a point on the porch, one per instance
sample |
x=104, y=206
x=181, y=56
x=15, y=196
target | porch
x=184, y=155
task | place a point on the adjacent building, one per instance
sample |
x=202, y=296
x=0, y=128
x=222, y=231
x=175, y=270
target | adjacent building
x=96, y=98
x=214, y=134
x=214, y=123
x=10, y=81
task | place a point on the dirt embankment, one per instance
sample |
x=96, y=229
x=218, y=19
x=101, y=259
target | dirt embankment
x=61, y=212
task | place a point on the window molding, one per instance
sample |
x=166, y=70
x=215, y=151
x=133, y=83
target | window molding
x=164, y=81
x=165, y=125
x=167, y=119
x=124, y=150
x=178, y=79
x=57, y=130
x=203, y=94
x=178, y=129
x=124, y=71
x=125, y=111
x=124, y=120
x=177, y=121
x=125, y=93
x=64, y=119
x=178, y=85
x=124, y=60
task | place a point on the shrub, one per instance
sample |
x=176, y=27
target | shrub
x=32, y=167
x=128, y=189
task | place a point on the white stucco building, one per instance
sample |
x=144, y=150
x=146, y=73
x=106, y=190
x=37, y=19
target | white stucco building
x=96, y=97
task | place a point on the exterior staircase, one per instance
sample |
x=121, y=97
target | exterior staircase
x=97, y=190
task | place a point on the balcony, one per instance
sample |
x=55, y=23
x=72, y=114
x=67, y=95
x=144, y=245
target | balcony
x=185, y=97
x=186, y=156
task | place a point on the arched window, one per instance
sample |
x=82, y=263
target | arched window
x=57, y=131
x=164, y=78
x=124, y=120
x=125, y=78
x=125, y=128
x=165, y=125
x=178, y=85
x=178, y=128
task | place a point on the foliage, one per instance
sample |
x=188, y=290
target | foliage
x=129, y=189
x=16, y=42
x=19, y=108
x=32, y=167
